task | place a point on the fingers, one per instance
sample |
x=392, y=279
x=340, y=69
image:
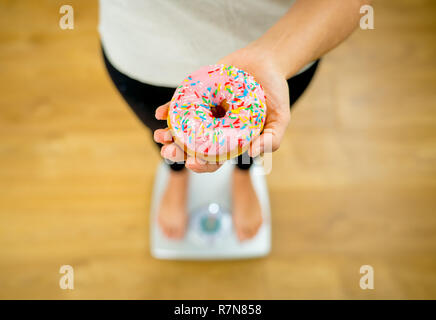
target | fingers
x=201, y=166
x=172, y=152
x=163, y=136
x=162, y=111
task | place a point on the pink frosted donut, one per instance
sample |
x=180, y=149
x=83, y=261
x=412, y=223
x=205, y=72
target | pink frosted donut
x=216, y=112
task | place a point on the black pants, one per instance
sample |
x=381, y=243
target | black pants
x=144, y=99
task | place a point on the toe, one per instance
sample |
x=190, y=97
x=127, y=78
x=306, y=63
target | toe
x=172, y=232
x=166, y=231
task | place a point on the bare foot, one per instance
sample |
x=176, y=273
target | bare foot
x=247, y=214
x=172, y=215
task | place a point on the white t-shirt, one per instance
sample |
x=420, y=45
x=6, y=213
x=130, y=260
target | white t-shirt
x=160, y=42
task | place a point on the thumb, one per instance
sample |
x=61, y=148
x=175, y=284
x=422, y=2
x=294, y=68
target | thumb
x=271, y=137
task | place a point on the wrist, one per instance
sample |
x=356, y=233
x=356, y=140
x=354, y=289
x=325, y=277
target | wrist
x=275, y=57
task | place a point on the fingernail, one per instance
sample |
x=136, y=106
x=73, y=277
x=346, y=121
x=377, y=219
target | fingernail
x=168, y=136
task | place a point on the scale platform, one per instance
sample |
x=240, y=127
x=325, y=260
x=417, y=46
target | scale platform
x=210, y=234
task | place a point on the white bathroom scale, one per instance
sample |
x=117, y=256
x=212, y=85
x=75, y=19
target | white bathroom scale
x=210, y=234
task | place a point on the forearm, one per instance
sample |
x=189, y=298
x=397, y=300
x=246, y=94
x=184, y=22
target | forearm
x=307, y=31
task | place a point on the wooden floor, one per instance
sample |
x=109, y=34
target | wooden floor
x=354, y=182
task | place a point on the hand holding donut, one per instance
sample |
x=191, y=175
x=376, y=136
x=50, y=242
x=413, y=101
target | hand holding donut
x=275, y=87
x=306, y=32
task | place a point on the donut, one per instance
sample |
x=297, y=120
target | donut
x=216, y=112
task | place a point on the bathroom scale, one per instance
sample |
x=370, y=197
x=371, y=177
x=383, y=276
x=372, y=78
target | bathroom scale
x=210, y=234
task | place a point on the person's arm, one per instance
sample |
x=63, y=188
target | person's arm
x=307, y=31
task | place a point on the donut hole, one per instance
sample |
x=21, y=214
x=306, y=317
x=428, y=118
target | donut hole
x=220, y=110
